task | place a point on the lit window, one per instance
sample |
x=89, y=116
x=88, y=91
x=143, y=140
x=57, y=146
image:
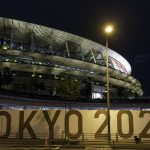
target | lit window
x=97, y=95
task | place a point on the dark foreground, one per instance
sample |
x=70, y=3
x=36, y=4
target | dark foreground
x=43, y=144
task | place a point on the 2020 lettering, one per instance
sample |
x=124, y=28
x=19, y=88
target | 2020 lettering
x=26, y=123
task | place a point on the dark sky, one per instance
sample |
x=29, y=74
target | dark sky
x=87, y=17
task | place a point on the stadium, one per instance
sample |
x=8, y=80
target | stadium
x=53, y=92
x=39, y=60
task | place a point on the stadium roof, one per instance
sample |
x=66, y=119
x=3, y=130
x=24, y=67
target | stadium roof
x=58, y=38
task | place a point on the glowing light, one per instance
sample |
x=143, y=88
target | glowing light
x=109, y=29
x=5, y=47
x=6, y=59
x=33, y=75
x=40, y=76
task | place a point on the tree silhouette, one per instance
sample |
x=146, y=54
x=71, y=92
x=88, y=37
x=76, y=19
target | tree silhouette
x=33, y=85
x=6, y=76
x=88, y=90
x=41, y=87
x=69, y=88
x=1, y=80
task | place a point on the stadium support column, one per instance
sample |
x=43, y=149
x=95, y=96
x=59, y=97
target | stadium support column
x=93, y=56
x=103, y=60
x=67, y=49
x=11, y=38
x=32, y=42
x=81, y=53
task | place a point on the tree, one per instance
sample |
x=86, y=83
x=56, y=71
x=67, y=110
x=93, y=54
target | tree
x=7, y=76
x=32, y=85
x=124, y=93
x=1, y=80
x=69, y=88
x=41, y=87
x=88, y=90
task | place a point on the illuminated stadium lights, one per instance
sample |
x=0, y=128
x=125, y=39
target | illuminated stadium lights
x=6, y=59
x=55, y=52
x=33, y=75
x=40, y=76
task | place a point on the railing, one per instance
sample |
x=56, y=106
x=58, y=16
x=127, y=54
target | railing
x=43, y=50
x=60, y=140
x=115, y=138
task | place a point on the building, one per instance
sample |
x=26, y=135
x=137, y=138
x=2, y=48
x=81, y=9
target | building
x=34, y=59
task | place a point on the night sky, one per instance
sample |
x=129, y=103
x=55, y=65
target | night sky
x=87, y=18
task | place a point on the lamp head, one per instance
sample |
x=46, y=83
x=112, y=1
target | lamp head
x=108, y=29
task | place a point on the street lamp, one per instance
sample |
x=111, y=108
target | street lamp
x=108, y=31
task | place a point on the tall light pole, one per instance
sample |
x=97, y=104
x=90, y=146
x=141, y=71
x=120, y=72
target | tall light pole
x=108, y=30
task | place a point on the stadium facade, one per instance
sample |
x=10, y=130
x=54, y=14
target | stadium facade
x=29, y=51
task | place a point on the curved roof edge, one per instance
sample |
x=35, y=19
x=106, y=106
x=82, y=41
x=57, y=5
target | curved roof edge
x=62, y=36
